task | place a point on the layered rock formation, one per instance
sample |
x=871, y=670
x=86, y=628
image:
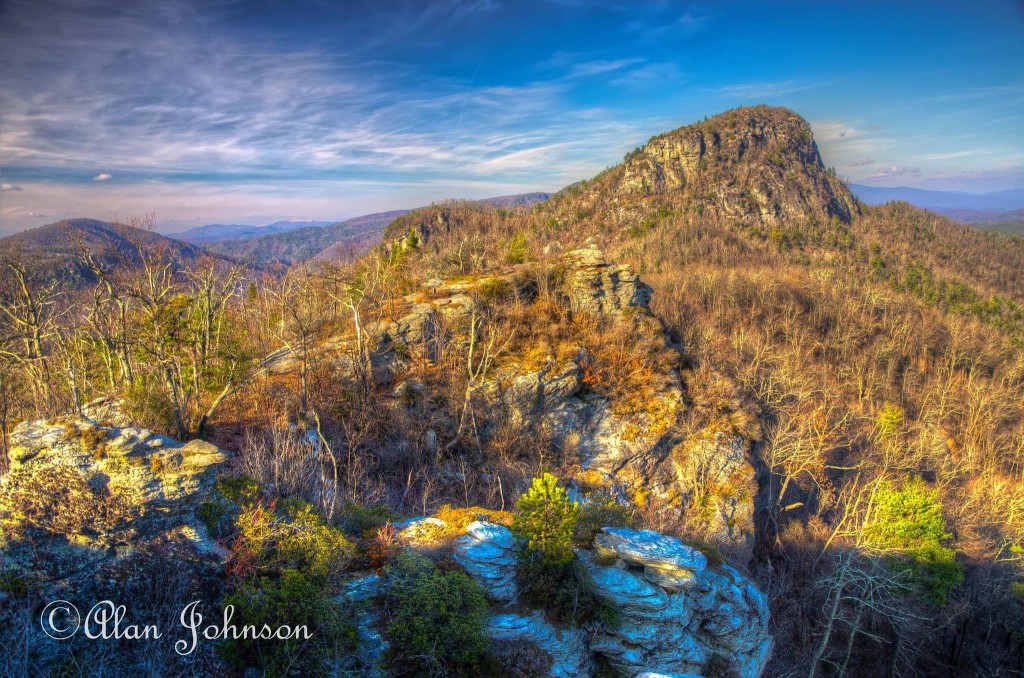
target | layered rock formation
x=92, y=512
x=488, y=553
x=595, y=286
x=570, y=655
x=676, y=615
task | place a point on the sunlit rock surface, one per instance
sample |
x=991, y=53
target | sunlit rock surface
x=567, y=648
x=489, y=553
x=675, y=613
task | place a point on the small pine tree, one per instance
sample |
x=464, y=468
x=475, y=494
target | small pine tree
x=547, y=520
x=889, y=420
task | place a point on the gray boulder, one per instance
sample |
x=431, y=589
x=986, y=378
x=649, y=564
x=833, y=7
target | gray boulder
x=566, y=647
x=595, y=286
x=666, y=561
x=488, y=553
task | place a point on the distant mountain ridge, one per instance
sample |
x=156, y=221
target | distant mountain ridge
x=220, y=232
x=943, y=201
x=966, y=216
x=343, y=240
x=51, y=249
x=301, y=244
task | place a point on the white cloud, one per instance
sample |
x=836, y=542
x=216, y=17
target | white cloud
x=894, y=171
x=102, y=176
x=523, y=159
x=4, y=188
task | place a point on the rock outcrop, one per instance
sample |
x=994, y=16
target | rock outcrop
x=628, y=446
x=85, y=492
x=595, y=286
x=568, y=649
x=91, y=512
x=759, y=164
x=151, y=478
x=488, y=552
x=676, y=615
x=716, y=459
x=666, y=562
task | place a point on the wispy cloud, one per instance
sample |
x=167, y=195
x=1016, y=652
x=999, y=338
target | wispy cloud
x=649, y=75
x=660, y=25
x=951, y=155
x=590, y=68
x=523, y=159
x=974, y=93
x=894, y=171
x=103, y=176
x=5, y=188
x=848, y=143
x=757, y=91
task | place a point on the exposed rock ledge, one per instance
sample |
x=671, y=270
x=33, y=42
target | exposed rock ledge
x=94, y=498
x=676, y=614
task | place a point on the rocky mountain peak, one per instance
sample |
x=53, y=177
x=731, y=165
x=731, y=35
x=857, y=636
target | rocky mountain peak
x=757, y=163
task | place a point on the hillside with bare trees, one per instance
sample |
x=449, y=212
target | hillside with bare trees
x=713, y=337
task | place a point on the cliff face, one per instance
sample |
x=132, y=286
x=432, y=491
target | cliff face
x=756, y=166
x=759, y=164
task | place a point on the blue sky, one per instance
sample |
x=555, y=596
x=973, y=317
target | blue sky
x=202, y=112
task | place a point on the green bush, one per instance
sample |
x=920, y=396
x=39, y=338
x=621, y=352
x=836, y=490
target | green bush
x=549, y=575
x=285, y=562
x=547, y=520
x=936, y=572
x=597, y=513
x=907, y=523
x=356, y=519
x=1017, y=589
x=293, y=600
x=517, y=249
x=906, y=518
x=436, y=619
x=290, y=536
x=230, y=496
x=565, y=590
x=889, y=420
